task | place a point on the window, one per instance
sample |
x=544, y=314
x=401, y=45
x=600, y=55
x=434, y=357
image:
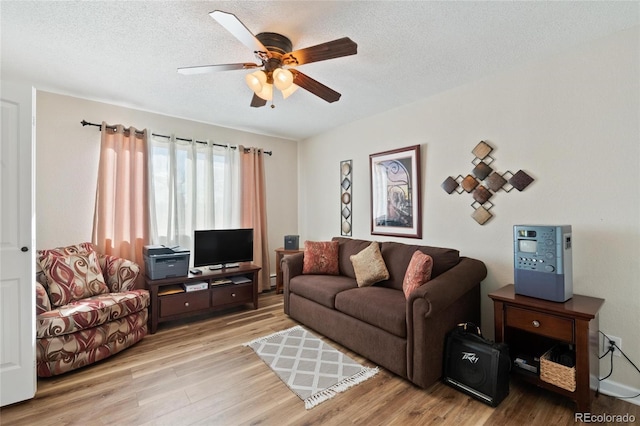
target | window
x=192, y=185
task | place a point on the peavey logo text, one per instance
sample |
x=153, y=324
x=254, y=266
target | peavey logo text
x=470, y=356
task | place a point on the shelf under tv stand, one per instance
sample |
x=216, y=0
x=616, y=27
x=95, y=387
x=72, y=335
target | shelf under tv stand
x=170, y=302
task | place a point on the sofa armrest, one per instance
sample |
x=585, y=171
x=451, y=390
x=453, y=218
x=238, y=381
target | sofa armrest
x=291, y=266
x=433, y=310
x=120, y=274
x=43, y=303
x=440, y=292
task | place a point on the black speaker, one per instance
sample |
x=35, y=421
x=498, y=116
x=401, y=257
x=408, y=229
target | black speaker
x=291, y=242
x=476, y=366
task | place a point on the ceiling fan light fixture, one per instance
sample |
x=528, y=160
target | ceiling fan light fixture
x=289, y=91
x=256, y=81
x=266, y=93
x=282, y=78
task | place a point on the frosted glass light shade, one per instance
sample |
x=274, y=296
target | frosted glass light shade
x=266, y=93
x=256, y=81
x=288, y=92
x=282, y=78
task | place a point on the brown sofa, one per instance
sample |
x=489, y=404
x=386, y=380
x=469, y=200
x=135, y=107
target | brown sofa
x=405, y=336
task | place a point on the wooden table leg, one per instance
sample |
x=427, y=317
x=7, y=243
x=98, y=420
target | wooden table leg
x=498, y=321
x=583, y=392
x=279, y=284
x=153, y=310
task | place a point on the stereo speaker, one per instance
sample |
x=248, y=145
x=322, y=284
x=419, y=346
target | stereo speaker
x=542, y=261
x=291, y=242
x=476, y=366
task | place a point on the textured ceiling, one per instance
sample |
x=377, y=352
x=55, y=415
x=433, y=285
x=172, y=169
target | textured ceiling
x=127, y=52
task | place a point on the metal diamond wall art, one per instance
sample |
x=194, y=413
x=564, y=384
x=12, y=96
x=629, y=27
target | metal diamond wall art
x=483, y=182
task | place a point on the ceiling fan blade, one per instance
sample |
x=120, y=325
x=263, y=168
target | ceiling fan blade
x=202, y=69
x=232, y=24
x=314, y=86
x=257, y=101
x=321, y=52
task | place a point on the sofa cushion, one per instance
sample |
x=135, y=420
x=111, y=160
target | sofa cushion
x=369, y=266
x=73, y=276
x=90, y=312
x=66, y=345
x=320, y=257
x=418, y=272
x=347, y=247
x=381, y=307
x=321, y=288
x=398, y=255
x=61, y=354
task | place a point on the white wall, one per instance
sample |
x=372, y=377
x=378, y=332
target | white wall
x=572, y=122
x=67, y=160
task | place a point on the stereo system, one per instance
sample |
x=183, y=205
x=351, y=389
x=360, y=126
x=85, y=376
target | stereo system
x=476, y=366
x=542, y=261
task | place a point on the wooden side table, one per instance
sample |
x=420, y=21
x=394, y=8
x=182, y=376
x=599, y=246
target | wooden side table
x=280, y=253
x=532, y=326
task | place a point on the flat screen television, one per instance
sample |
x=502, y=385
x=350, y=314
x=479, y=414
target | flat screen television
x=222, y=247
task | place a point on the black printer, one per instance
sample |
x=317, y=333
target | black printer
x=164, y=262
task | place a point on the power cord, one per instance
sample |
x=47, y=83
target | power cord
x=610, y=350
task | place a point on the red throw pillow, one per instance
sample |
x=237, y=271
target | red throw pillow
x=320, y=257
x=418, y=272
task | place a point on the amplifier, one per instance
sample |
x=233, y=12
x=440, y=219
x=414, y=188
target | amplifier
x=476, y=366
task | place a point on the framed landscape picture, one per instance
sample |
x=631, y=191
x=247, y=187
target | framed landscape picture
x=395, y=192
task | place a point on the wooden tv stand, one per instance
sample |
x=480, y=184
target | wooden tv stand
x=532, y=326
x=169, y=303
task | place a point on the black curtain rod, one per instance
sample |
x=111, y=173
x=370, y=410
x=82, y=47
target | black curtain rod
x=86, y=123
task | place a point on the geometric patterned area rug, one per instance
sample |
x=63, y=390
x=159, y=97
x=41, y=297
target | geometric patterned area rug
x=311, y=368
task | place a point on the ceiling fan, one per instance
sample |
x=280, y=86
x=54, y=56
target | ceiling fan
x=274, y=53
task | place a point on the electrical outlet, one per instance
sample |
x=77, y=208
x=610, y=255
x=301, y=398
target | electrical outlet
x=605, y=344
x=618, y=342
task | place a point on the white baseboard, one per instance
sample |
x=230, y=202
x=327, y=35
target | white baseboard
x=272, y=280
x=615, y=389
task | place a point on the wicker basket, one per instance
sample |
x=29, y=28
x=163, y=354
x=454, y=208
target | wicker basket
x=557, y=374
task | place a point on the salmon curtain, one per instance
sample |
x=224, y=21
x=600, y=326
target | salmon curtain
x=120, y=220
x=254, y=209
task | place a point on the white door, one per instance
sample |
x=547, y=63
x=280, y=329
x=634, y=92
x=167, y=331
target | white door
x=17, y=244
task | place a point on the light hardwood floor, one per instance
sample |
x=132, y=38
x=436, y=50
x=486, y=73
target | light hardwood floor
x=198, y=373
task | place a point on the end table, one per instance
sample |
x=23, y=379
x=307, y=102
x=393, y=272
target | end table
x=532, y=326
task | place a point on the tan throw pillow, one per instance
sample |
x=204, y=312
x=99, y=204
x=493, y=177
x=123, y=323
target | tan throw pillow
x=418, y=272
x=320, y=257
x=72, y=277
x=369, y=266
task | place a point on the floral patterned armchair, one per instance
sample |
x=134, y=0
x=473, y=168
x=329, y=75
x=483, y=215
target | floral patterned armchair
x=86, y=308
